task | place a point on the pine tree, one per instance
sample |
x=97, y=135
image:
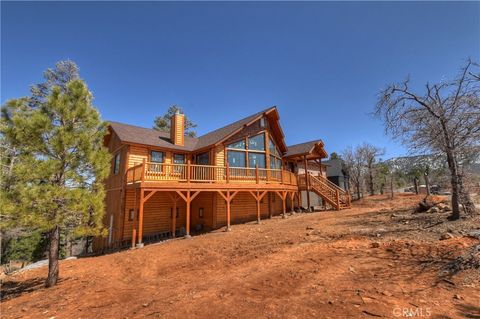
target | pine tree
x=162, y=123
x=61, y=166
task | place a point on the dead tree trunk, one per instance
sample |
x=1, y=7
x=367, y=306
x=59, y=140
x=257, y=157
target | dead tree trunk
x=459, y=193
x=53, y=253
x=415, y=183
x=370, y=181
x=465, y=198
x=427, y=183
x=391, y=186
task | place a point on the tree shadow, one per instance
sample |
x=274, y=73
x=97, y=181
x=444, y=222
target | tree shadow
x=468, y=311
x=13, y=289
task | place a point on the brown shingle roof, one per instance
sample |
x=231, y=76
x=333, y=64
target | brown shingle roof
x=147, y=136
x=221, y=133
x=301, y=149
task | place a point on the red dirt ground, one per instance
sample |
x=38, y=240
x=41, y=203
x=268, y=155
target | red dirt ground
x=320, y=265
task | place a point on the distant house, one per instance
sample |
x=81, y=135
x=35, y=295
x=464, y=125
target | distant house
x=166, y=184
x=337, y=173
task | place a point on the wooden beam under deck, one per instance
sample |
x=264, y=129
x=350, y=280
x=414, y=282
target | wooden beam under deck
x=166, y=186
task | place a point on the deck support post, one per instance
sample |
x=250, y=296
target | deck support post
x=134, y=226
x=228, y=212
x=283, y=196
x=143, y=199
x=258, y=198
x=258, y=210
x=174, y=219
x=174, y=199
x=140, y=219
x=299, y=198
x=187, y=220
x=188, y=198
x=134, y=235
x=307, y=181
x=292, y=204
x=228, y=199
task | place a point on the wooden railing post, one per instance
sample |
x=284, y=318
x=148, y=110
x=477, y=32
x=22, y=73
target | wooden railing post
x=228, y=173
x=188, y=171
x=257, y=178
x=144, y=168
x=134, y=236
x=281, y=176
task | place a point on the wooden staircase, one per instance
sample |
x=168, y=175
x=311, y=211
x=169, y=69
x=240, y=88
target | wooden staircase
x=328, y=191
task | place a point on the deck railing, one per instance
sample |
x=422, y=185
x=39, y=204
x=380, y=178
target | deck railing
x=194, y=173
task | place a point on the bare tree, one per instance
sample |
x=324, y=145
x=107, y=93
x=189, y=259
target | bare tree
x=370, y=154
x=444, y=119
x=355, y=166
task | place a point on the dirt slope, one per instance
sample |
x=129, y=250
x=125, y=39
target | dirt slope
x=321, y=265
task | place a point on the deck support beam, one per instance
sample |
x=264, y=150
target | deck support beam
x=228, y=198
x=188, y=198
x=283, y=196
x=174, y=199
x=292, y=204
x=307, y=181
x=258, y=198
x=143, y=199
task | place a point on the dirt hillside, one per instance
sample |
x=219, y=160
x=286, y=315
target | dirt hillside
x=374, y=260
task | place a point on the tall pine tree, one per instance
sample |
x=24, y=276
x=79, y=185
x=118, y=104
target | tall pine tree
x=162, y=123
x=60, y=168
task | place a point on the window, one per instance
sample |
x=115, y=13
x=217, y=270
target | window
x=116, y=163
x=257, y=142
x=255, y=159
x=203, y=159
x=179, y=158
x=200, y=212
x=262, y=122
x=131, y=214
x=157, y=157
x=171, y=212
x=275, y=163
x=273, y=149
x=240, y=145
x=236, y=159
x=275, y=157
x=248, y=152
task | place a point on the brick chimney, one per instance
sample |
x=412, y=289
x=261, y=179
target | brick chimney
x=177, y=129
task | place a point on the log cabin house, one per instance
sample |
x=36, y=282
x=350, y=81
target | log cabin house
x=164, y=185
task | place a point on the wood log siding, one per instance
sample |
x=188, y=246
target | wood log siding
x=156, y=214
x=157, y=218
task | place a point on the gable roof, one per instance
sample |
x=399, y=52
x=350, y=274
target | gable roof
x=223, y=133
x=305, y=149
x=147, y=136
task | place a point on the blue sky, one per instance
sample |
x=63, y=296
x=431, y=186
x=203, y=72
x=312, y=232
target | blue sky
x=320, y=63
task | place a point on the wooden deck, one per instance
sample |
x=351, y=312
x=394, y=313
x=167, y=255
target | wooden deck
x=186, y=181
x=208, y=177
